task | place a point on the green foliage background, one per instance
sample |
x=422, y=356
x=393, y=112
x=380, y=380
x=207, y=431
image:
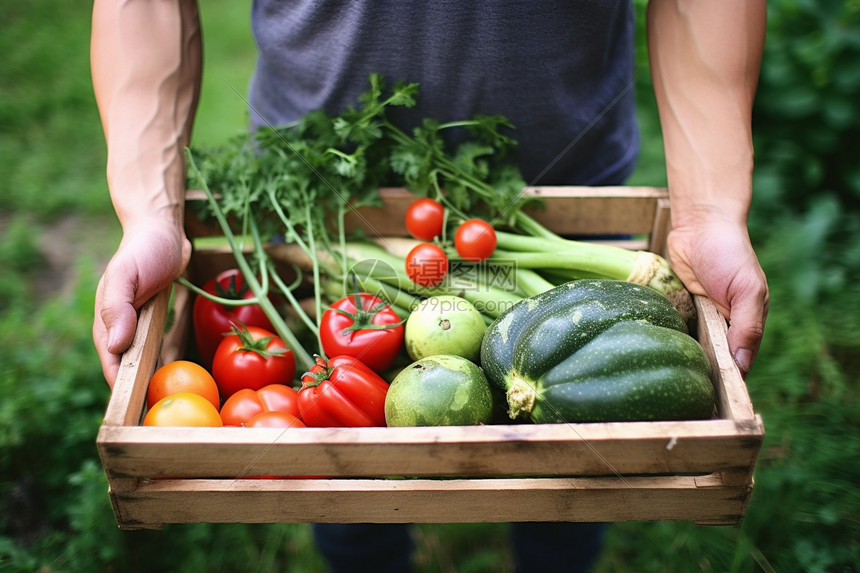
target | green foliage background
x=804, y=514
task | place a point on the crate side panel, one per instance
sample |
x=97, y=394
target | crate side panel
x=733, y=398
x=138, y=363
x=565, y=210
x=430, y=501
x=661, y=226
x=599, y=449
x=596, y=210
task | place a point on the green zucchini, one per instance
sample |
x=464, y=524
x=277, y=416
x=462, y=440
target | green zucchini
x=595, y=350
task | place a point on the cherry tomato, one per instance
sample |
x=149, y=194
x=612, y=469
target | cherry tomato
x=252, y=357
x=212, y=321
x=182, y=376
x=365, y=327
x=246, y=403
x=183, y=409
x=424, y=219
x=274, y=419
x=342, y=392
x=475, y=240
x=427, y=264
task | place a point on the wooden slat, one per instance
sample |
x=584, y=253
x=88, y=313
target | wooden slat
x=661, y=227
x=595, y=211
x=431, y=501
x=733, y=398
x=138, y=364
x=559, y=449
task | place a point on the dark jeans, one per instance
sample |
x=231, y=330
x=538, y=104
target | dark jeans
x=387, y=548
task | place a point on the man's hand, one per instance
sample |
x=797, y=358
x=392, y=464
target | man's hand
x=713, y=257
x=146, y=262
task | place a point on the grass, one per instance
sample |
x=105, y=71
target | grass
x=804, y=514
x=229, y=56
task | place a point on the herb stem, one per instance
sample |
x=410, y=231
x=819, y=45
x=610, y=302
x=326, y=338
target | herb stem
x=302, y=357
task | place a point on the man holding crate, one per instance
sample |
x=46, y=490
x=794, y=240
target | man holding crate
x=562, y=72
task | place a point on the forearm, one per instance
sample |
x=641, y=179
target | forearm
x=146, y=65
x=705, y=57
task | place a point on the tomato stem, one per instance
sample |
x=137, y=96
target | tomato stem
x=258, y=346
x=215, y=298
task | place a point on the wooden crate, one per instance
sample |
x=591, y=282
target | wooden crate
x=700, y=471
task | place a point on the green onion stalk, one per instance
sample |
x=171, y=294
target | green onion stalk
x=569, y=259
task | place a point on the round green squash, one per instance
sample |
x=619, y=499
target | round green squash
x=596, y=350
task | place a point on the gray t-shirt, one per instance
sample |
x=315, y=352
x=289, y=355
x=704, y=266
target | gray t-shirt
x=561, y=71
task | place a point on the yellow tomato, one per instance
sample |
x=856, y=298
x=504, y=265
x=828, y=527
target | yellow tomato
x=183, y=409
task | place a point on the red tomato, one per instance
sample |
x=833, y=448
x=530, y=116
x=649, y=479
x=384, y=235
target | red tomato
x=212, y=321
x=183, y=409
x=364, y=327
x=342, y=392
x=252, y=357
x=475, y=240
x=246, y=403
x=275, y=420
x=427, y=264
x=424, y=219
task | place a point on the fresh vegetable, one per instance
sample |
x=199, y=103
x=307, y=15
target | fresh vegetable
x=251, y=357
x=427, y=264
x=441, y=390
x=298, y=182
x=212, y=320
x=274, y=419
x=569, y=259
x=445, y=325
x=244, y=404
x=365, y=327
x=382, y=271
x=425, y=219
x=183, y=409
x=182, y=376
x=596, y=351
x=475, y=240
x=342, y=392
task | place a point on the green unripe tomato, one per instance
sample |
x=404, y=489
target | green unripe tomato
x=445, y=325
x=442, y=390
